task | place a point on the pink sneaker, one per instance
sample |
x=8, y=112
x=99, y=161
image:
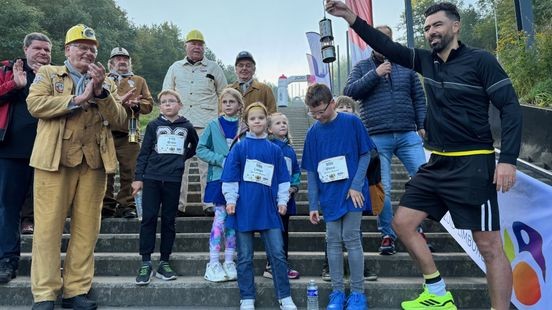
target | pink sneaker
x=293, y=274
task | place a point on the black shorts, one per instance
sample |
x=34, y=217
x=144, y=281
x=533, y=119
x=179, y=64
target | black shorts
x=462, y=185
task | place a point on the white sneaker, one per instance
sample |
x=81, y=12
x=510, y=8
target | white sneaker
x=247, y=304
x=230, y=269
x=215, y=273
x=287, y=304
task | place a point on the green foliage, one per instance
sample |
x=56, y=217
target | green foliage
x=153, y=47
x=20, y=19
x=157, y=47
x=528, y=68
x=541, y=94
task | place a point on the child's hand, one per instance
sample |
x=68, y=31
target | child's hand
x=230, y=208
x=136, y=187
x=282, y=209
x=357, y=197
x=314, y=217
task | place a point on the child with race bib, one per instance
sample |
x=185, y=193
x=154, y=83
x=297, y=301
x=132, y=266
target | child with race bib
x=279, y=134
x=336, y=156
x=168, y=142
x=213, y=147
x=256, y=188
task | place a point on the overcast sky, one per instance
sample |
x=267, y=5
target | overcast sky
x=273, y=31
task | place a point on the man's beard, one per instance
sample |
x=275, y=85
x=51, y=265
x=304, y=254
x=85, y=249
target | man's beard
x=443, y=42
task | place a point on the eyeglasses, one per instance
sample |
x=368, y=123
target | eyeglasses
x=85, y=48
x=318, y=113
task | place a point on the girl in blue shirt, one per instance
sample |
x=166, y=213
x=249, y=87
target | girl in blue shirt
x=213, y=147
x=279, y=135
x=256, y=188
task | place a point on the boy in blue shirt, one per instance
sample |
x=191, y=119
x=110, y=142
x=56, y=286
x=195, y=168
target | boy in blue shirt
x=336, y=156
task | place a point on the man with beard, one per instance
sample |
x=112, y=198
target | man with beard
x=136, y=98
x=75, y=105
x=251, y=89
x=199, y=81
x=17, y=135
x=460, y=176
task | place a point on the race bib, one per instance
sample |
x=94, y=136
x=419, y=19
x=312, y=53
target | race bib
x=170, y=144
x=258, y=172
x=288, y=164
x=333, y=169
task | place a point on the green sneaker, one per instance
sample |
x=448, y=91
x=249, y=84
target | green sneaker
x=144, y=274
x=165, y=272
x=430, y=301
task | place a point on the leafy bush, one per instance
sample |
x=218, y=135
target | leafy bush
x=541, y=94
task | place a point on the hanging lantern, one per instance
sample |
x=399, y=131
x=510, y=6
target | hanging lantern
x=326, y=39
x=133, y=129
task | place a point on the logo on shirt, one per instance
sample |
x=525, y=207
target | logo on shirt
x=59, y=87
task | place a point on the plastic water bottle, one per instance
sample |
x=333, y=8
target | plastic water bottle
x=138, y=202
x=312, y=296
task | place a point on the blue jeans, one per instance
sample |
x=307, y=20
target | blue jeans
x=407, y=146
x=274, y=247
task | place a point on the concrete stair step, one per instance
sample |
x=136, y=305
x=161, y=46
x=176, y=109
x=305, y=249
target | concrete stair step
x=195, y=196
x=309, y=264
x=203, y=225
x=198, y=242
x=469, y=292
x=196, y=209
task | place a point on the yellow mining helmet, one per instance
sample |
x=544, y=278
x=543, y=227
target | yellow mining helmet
x=194, y=35
x=80, y=32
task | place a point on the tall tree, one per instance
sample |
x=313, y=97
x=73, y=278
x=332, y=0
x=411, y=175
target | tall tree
x=23, y=19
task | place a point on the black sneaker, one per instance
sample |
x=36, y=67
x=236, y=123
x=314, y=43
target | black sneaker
x=387, y=246
x=81, y=302
x=267, y=272
x=7, y=271
x=128, y=213
x=369, y=275
x=165, y=272
x=326, y=273
x=144, y=274
x=43, y=305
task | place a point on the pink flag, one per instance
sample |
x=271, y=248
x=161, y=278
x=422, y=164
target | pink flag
x=359, y=49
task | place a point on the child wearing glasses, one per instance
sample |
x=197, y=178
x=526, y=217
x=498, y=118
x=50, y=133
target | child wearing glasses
x=338, y=185
x=168, y=142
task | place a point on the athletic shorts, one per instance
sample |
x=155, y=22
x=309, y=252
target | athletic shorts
x=462, y=185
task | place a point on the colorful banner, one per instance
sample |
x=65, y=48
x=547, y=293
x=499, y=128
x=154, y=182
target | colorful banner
x=358, y=48
x=319, y=71
x=525, y=220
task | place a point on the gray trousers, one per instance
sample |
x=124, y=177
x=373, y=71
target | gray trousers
x=346, y=230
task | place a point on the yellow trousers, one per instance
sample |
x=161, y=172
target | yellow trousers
x=77, y=191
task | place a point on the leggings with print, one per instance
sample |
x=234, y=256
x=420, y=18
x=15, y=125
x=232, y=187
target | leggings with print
x=218, y=231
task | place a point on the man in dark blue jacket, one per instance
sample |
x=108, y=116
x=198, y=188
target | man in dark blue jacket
x=17, y=135
x=461, y=176
x=392, y=107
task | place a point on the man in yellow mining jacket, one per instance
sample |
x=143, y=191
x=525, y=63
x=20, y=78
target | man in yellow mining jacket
x=73, y=151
